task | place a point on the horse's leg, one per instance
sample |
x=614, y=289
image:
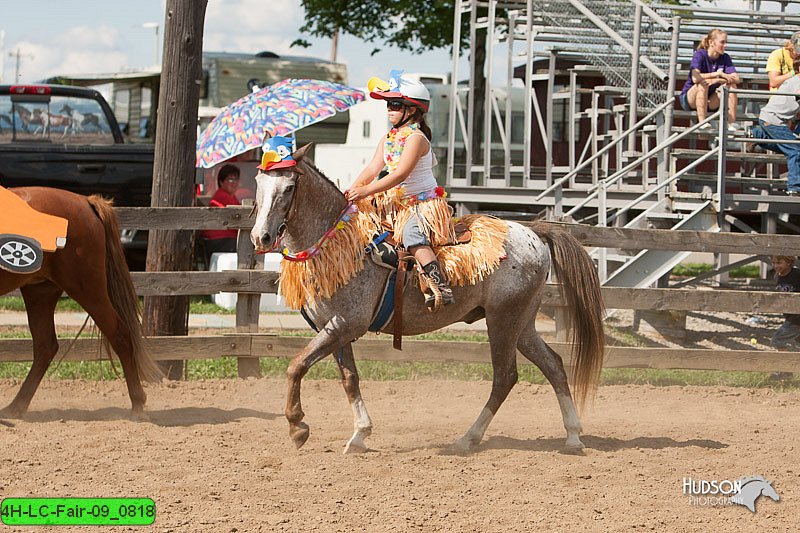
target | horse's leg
x=94, y=298
x=328, y=340
x=502, y=341
x=40, y=304
x=362, y=425
x=537, y=351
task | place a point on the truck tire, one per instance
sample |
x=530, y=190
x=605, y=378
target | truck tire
x=20, y=254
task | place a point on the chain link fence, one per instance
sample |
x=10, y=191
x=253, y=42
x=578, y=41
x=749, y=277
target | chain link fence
x=583, y=36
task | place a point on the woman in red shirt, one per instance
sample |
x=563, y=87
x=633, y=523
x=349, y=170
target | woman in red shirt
x=222, y=240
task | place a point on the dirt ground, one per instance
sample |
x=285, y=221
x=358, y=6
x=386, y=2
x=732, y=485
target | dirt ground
x=215, y=456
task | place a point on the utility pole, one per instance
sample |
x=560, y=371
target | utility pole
x=18, y=55
x=173, y=169
x=155, y=26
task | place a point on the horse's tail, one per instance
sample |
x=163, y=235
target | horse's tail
x=121, y=291
x=580, y=288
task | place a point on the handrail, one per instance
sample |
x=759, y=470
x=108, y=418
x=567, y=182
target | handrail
x=661, y=21
x=606, y=148
x=669, y=141
x=664, y=183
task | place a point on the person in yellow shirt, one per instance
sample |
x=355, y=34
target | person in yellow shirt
x=780, y=64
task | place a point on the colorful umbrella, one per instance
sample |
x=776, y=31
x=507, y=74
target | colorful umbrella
x=281, y=109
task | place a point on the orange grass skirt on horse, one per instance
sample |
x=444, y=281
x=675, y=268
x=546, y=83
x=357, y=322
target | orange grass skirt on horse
x=303, y=283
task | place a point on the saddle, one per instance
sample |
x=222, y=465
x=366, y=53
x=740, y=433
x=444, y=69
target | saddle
x=384, y=252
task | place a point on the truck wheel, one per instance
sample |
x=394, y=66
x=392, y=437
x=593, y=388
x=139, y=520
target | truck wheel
x=20, y=254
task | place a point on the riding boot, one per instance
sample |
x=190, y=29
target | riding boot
x=434, y=271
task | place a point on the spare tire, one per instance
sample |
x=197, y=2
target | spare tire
x=20, y=254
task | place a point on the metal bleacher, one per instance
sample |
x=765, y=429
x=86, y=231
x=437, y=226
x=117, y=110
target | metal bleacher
x=644, y=163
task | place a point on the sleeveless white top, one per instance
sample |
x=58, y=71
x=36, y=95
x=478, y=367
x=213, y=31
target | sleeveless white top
x=421, y=178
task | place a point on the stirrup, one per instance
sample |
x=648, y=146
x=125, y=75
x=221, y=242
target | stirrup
x=438, y=297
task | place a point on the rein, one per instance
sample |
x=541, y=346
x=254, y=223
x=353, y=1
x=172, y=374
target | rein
x=316, y=248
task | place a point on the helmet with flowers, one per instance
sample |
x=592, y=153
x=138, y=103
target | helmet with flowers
x=409, y=91
x=277, y=153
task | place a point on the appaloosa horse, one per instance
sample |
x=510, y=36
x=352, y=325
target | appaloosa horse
x=91, y=269
x=298, y=205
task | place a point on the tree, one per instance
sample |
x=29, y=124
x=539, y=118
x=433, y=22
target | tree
x=173, y=168
x=415, y=26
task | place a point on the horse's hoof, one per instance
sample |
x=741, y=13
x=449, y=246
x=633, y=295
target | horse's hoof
x=299, y=433
x=574, y=447
x=140, y=416
x=12, y=412
x=356, y=443
x=464, y=445
x=355, y=447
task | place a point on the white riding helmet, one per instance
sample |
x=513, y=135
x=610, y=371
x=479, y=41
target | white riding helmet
x=399, y=87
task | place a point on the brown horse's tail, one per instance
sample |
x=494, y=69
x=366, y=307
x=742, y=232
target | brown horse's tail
x=580, y=288
x=121, y=291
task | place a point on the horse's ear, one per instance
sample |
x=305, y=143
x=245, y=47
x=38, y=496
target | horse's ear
x=301, y=152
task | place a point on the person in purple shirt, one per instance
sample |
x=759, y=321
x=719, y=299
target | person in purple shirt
x=711, y=68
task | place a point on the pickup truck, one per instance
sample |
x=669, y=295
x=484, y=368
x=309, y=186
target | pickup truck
x=67, y=137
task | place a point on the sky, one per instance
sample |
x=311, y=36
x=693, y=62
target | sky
x=101, y=36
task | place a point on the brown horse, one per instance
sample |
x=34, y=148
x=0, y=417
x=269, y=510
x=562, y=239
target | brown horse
x=91, y=269
x=298, y=205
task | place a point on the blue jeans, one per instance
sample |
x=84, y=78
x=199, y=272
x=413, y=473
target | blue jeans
x=412, y=234
x=791, y=151
x=786, y=337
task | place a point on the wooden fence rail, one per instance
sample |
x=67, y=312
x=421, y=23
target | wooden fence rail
x=253, y=281
x=189, y=218
x=380, y=349
x=250, y=282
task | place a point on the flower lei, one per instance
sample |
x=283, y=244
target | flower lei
x=438, y=192
x=316, y=248
x=395, y=142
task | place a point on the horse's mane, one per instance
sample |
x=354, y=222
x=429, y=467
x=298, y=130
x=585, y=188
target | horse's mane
x=749, y=479
x=306, y=164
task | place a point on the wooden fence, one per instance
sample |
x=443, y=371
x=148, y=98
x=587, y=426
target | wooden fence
x=248, y=345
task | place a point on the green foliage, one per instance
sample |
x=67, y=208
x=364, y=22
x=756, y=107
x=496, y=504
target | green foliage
x=691, y=270
x=197, y=305
x=666, y=378
x=414, y=26
x=746, y=271
x=202, y=305
x=87, y=370
x=15, y=303
x=225, y=368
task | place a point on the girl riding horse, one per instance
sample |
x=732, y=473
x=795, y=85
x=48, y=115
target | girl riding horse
x=408, y=197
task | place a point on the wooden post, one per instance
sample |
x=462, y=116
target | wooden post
x=173, y=169
x=247, y=306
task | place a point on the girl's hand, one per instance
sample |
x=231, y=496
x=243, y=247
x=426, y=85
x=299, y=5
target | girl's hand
x=356, y=193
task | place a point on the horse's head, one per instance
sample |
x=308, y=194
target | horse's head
x=66, y=109
x=768, y=490
x=275, y=194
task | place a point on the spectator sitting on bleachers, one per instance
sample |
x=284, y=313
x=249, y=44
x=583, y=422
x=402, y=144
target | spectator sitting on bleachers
x=710, y=69
x=778, y=120
x=780, y=64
